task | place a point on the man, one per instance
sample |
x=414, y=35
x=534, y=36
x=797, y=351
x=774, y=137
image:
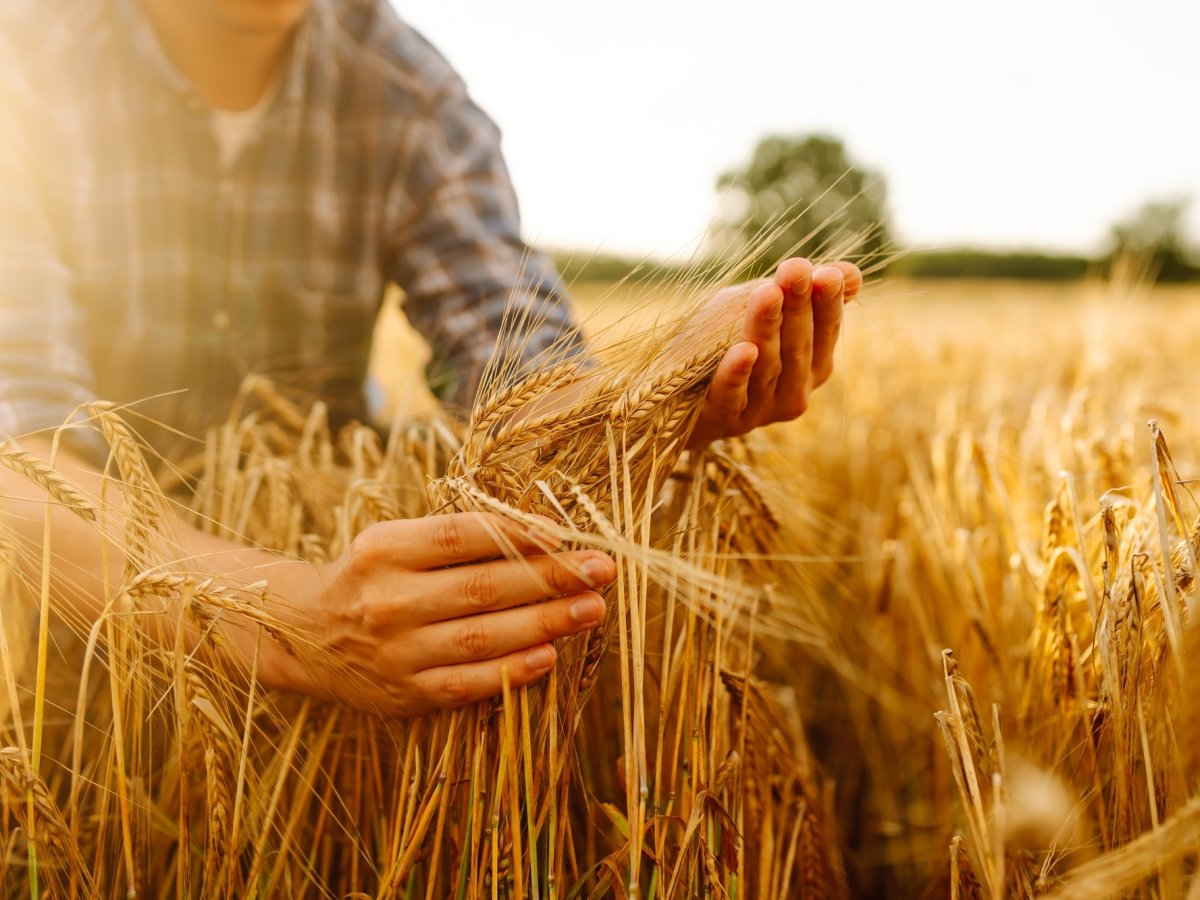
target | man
x=197, y=189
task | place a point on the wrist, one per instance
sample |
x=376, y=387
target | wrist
x=294, y=590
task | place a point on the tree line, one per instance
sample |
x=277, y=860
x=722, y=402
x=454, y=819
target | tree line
x=806, y=195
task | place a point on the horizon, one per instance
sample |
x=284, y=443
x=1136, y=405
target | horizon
x=1009, y=154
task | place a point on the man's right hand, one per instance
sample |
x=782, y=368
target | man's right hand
x=424, y=614
x=417, y=615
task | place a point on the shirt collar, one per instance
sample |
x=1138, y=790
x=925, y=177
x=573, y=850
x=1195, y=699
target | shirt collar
x=146, y=48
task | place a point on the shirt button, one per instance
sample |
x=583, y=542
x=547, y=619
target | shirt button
x=221, y=320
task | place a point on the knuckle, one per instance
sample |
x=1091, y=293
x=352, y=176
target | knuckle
x=400, y=694
x=480, y=588
x=448, y=536
x=545, y=625
x=558, y=577
x=354, y=622
x=475, y=641
x=368, y=548
x=366, y=614
x=735, y=405
x=454, y=689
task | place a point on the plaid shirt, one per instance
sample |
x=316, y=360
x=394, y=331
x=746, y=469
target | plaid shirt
x=132, y=265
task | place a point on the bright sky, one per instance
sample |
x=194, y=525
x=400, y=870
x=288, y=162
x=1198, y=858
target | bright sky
x=1015, y=123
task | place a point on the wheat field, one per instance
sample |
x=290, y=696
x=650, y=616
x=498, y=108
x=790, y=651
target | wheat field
x=933, y=639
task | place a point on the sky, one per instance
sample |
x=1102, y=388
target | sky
x=1005, y=124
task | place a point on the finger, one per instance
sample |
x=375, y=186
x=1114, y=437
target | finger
x=764, y=315
x=474, y=638
x=852, y=277
x=795, y=277
x=484, y=587
x=827, y=302
x=433, y=542
x=726, y=398
x=355, y=688
x=446, y=687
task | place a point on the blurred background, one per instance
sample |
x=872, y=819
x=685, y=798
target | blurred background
x=1024, y=139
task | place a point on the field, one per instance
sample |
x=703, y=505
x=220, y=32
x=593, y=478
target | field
x=948, y=491
x=933, y=639
x=986, y=474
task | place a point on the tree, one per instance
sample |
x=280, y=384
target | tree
x=801, y=195
x=1153, y=237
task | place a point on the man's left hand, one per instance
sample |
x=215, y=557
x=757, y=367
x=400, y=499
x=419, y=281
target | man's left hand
x=791, y=327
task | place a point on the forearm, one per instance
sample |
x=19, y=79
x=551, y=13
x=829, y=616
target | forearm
x=72, y=524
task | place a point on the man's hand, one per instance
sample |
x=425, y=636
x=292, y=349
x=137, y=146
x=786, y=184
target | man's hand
x=423, y=614
x=416, y=615
x=786, y=348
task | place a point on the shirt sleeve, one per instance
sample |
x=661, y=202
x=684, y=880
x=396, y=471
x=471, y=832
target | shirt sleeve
x=45, y=374
x=473, y=288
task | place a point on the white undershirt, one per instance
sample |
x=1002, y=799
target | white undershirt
x=234, y=128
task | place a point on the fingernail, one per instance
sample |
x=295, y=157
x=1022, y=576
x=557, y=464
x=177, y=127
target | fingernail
x=833, y=282
x=541, y=658
x=587, y=610
x=797, y=291
x=774, y=311
x=598, y=569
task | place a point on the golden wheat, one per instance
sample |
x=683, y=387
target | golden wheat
x=967, y=526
